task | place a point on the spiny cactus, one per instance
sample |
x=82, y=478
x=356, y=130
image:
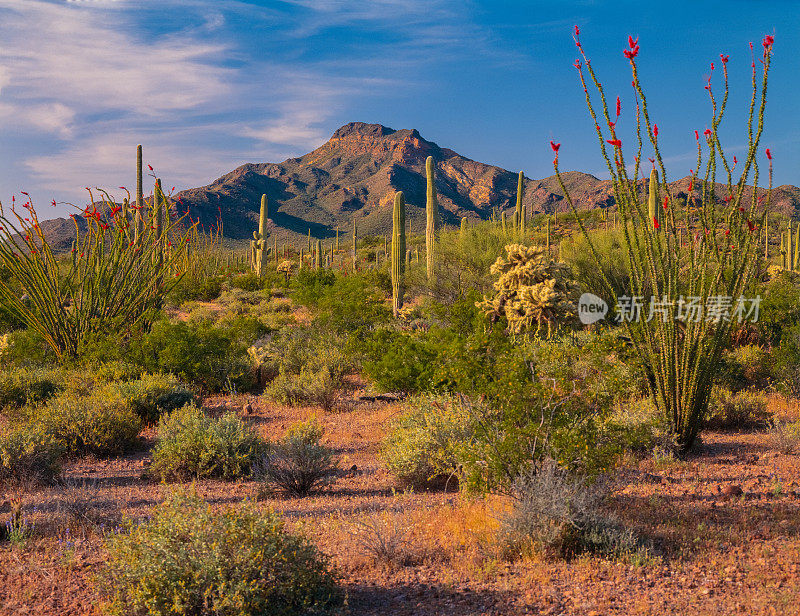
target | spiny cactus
x=139, y=216
x=318, y=256
x=532, y=291
x=504, y=223
x=398, y=252
x=548, y=235
x=519, y=214
x=432, y=219
x=300, y=260
x=463, y=230
x=259, y=243
x=355, y=244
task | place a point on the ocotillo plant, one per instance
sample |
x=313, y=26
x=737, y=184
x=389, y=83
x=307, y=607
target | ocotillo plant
x=398, y=252
x=108, y=283
x=260, y=249
x=519, y=216
x=653, y=207
x=432, y=220
x=679, y=352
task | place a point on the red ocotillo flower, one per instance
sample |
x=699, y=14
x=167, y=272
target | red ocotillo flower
x=724, y=58
x=555, y=146
x=666, y=201
x=735, y=161
x=769, y=154
x=633, y=50
x=697, y=135
x=656, y=224
x=768, y=41
x=707, y=132
x=619, y=107
x=750, y=226
x=615, y=142
x=655, y=130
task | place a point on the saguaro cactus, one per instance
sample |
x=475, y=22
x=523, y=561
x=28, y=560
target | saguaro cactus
x=318, y=256
x=355, y=244
x=259, y=244
x=463, y=229
x=519, y=214
x=504, y=223
x=398, y=251
x=432, y=215
x=548, y=235
x=138, y=220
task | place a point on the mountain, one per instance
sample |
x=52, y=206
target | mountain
x=355, y=174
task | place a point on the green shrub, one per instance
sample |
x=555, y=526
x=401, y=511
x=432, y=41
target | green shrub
x=743, y=409
x=309, y=366
x=21, y=386
x=189, y=560
x=202, y=288
x=423, y=446
x=747, y=366
x=247, y=282
x=150, y=396
x=192, y=445
x=28, y=454
x=634, y=425
x=203, y=355
x=299, y=463
x=83, y=424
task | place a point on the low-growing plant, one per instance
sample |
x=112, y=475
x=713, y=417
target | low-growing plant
x=84, y=424
x=192, y=445
x=786, y=436
x=423, y=446
x=560, y=515
x=385, y=538
x=299, y=463
x=28, y=455
x=21, y=386
x=150, y=396
x=189, y=560
x=742, y=409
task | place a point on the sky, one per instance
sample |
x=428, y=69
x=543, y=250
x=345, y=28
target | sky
x=208, y=85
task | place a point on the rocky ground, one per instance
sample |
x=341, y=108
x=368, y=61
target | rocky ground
x=724, y=524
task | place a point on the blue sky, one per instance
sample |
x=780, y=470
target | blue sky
x=208, y=85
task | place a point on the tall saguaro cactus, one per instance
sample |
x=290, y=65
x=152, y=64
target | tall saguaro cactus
x=463, y=230
x=432, y=216
x=318, y=256
x=355, y=244
x=398, y=251
x=519, y=214
x=259, y=245
x=138, y=218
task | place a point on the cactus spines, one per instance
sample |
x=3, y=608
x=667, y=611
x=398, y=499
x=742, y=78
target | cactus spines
x=653, y=211
x=318, y=256
x=463, y=229
x=432, y=220
x=398, y=251
x=519, y=214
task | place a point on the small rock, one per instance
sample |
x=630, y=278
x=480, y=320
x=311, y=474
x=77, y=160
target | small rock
x=732, y=490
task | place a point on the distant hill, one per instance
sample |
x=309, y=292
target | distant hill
x=355, y=174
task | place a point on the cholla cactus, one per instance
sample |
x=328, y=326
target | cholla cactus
x=532, y=291
x=286, y=267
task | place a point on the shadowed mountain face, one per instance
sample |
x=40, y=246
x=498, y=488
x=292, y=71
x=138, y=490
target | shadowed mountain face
x=356, y=173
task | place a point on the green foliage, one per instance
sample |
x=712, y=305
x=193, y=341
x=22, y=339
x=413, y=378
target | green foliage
x=309, y=366
x=188, y=560
x=743, y=409
x=191, y=445
x=424, y=445
x=353, y=303
x=21, y=386
x=247, y=282
x=91, y=423
x=150, y=396
x=744, y=367
x=299, y=463
x=195, y=288
x=28, y=455
x=200, y=354
x=780, y=307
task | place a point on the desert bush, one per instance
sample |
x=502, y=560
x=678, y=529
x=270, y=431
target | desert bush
x=635, y=425
x=150, y=396
x=202, y=288
x=560, y=515
x=192, y=445
x=202, y=355
x=28, y=454
x=785, y=435
x=247, y=282
x=189, y=560
x=21, y=386
x=743, y=409
x=114, y=371
x=423, y=445
x=298, y=464
x=309, y=366
x=84, y=424
x=743, y=367
x=385, y=537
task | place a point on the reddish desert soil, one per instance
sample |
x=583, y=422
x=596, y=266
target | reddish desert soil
x=720, y=552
